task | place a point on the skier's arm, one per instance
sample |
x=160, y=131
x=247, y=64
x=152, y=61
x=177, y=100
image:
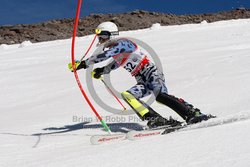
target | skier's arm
x=117, y=48
x=114, y=50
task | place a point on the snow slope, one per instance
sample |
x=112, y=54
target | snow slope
x=206, y=64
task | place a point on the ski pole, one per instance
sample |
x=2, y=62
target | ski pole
x=113, y=93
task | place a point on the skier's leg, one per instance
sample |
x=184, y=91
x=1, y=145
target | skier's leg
x=144, y=111
x=181, y=107
x=132, y=98
x=156, y=82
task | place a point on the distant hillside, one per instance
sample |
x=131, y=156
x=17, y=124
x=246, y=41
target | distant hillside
x=62, y=29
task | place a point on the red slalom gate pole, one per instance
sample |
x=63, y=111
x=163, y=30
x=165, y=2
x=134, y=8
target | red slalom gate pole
x=74, y=67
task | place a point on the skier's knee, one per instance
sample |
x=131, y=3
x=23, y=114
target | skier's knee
x=161, y=97
x=127, y=95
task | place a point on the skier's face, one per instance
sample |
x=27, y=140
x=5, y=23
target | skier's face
x=103, y=36
x=103, y=39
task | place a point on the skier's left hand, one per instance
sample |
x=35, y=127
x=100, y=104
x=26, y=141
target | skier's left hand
x=97, y=73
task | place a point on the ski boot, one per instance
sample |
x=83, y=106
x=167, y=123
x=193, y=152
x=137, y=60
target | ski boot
x=196, y=116
x=161, y=121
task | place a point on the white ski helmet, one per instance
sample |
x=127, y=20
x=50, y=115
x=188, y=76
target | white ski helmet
x=107, y=28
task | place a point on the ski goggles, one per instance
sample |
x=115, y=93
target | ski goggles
x=104, y=35
x=100, y=32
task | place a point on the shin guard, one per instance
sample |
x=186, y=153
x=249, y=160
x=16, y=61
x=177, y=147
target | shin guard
x=178, y=105
x=141, y=109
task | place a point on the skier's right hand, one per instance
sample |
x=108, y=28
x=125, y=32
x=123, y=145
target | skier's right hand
x=97, y=73
x=78, y=65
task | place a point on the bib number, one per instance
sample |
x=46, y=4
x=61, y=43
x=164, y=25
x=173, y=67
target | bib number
x=129, y=67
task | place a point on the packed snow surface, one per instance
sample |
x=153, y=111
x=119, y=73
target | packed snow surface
x=45, y=121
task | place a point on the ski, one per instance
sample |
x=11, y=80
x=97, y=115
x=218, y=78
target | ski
x=101, y=139
x=134, y=135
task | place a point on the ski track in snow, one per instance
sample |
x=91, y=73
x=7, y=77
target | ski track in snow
x=206, y=64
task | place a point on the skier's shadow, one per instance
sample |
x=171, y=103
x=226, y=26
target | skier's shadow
x=114, y=127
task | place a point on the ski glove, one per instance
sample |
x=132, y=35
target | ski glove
x=97, y=73
x=79, y=65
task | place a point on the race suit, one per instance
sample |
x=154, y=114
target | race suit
x=128, y=55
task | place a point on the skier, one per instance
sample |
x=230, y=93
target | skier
x=150, y=79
